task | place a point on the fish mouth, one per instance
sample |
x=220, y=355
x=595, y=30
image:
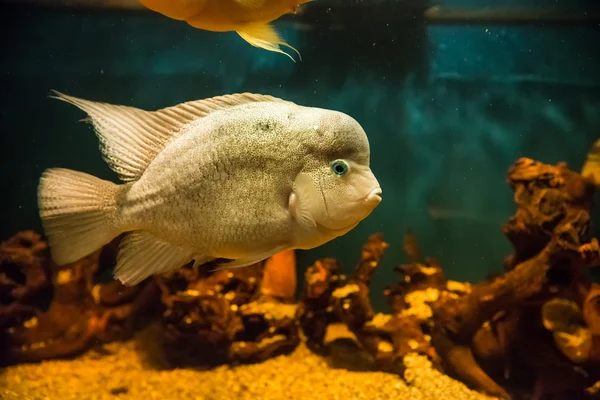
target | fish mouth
x=367, y=205
x=370, y=202
x=374, y=196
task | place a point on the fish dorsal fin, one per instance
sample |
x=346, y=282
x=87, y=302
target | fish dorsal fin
x=130, y=138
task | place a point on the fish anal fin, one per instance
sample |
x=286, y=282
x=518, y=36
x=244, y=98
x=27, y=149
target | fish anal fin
x=264, y=36
x=247, y=261
x=141, y=254
x=131, y=138
x=201, y=260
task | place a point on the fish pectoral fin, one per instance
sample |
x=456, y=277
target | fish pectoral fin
x=247, y=261
x=301, y=213
x=304, y=199
x=141, y=254
x=264, y=36
x=252, y=4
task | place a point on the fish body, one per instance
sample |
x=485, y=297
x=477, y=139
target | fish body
x=238, y=177
x=249, y=18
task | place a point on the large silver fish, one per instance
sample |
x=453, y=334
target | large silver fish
x=239, y=177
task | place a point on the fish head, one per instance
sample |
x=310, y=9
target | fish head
x=350, y=192
x=337, y=188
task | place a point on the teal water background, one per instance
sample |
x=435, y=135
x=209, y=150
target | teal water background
x=447, y=109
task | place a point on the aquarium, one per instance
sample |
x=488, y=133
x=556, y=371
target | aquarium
x=264, y=199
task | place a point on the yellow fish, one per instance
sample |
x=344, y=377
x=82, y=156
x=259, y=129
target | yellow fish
x=249, y=18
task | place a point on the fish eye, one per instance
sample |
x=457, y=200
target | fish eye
x=340, y=167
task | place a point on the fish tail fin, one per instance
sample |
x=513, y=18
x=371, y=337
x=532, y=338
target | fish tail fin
x=78, y=212
x=591, y=167
x=264, y=36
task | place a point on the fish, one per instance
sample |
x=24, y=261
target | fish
x=250, y=19
x=231, y=179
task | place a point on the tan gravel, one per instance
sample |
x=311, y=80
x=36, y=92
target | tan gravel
x=126, y=373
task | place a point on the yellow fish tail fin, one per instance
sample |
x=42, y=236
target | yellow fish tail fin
x=265, y=37
x=591, y=168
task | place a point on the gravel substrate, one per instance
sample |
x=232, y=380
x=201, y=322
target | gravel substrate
x=126, y=373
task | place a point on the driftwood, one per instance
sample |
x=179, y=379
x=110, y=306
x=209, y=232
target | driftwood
x=496, y=336
x=50, y=312
x=227, y=316
x=531, y=332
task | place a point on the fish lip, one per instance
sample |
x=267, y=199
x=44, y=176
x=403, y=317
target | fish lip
x=374, y=195
x=372, y=200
